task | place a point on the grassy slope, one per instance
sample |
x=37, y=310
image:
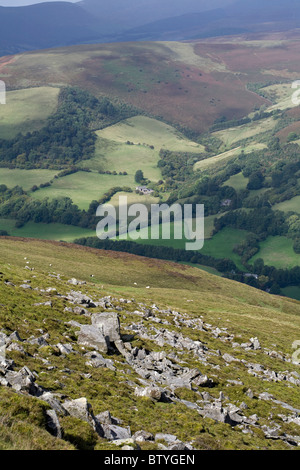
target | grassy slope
x=218, y=299
x=235, y=134
x=83, y=187
x=277, y=251
x=113, y=156
x=112, y=152
x=59, y=232
x=165, y=79
x=238, y=182
x=225, y=157
x=25, y=178
x=289, y=205
x=144, y=130
x=27, y=110
x=222, y=244
x=245, y=311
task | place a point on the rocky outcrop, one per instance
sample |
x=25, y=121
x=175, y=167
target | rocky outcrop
x=103, y=332
x=81, y=409
x=22, y=381
x=165, y=359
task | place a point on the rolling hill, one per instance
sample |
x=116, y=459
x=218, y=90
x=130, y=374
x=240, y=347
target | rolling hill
x=191, y=84
x=53, y=24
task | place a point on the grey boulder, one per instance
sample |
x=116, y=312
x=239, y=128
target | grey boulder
x=109, y=323
x=92, y=337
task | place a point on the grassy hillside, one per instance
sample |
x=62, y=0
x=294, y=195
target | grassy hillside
x=25, y=178
x=135, y=144
x=185, y=298
x=26, y=110
x=278, y=252
x=127, y=146
x=83, y=187
x=144, y=130
x=59, y=232
x=289, y=205
x=225, y=157
x=164, y=79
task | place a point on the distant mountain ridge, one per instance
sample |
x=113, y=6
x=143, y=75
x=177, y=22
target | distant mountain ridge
x=47, y=25
x=124, y=15
x=237, y=18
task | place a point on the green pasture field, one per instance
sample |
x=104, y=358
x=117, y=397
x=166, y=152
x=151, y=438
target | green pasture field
x=280, y=95
x=117, y=156
x=83, y=187
x=222, y=244
x=134, y=144
x=144, y=130
x=58, y=232
x=290, y=205
x=236, y=134
x=25, y=178
x=209, y=225
x=223, y=157
x=134, y=198
x=292, y=292
x=169, y=242
x=26, y=110
x=278, y=252
x=237, y=182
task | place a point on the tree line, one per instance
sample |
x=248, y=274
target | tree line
x=68, y=135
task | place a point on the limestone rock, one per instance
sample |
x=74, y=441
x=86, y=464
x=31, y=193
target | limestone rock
x=23, y=381
x=255, y=344
x=97, y=360
x=106, y=418
x=109, y=323
x=126, y=444
x=113, y=432
x=143, y=436
x=65, y=348
x=92, y=337
x=154, y=392
x=169, y=438
x=53, y=424
x=228, y=358
x=81, y=409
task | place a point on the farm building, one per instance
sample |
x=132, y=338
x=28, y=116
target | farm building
x=144, y=190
